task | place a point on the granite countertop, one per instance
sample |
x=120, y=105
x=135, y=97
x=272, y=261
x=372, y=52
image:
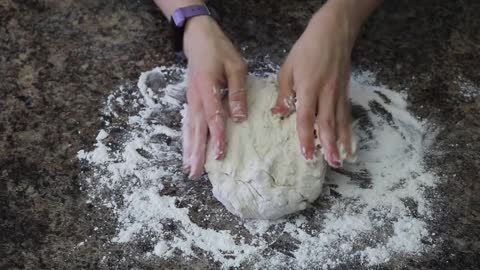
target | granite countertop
x=60, y=59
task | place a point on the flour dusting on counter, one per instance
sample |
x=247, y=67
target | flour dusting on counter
x=371, y=212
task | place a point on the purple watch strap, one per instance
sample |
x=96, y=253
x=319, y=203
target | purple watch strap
x=181, y=15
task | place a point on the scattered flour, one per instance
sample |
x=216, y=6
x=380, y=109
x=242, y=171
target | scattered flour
x=467, y=89
x=376, y=209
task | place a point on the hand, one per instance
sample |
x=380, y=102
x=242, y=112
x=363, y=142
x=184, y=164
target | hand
x=213, y=64
x=317, y=71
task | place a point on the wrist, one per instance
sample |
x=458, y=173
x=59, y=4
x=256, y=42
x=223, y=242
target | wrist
x=333, y=18
x=199, y=25
x=198, y=29
x=190, y=21
x=346, y=11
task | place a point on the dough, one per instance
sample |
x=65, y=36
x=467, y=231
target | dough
x=264, y=175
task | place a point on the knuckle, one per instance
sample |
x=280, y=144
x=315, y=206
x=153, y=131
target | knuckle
x=193, y=101
x=205, y=82
x=327, y=123
x=305, y=117
x=211, y=118
x=330, y=93
x=239, y=67
x=215, y=118
x=333, y=88
x=334, y=83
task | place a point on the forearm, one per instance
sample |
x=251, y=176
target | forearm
x=358, y=11
x=352, y=14
x=169, y=6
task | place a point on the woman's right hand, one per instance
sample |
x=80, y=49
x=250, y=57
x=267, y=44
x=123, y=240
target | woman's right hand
x=213, y=65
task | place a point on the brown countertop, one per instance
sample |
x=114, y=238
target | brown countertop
x=60, y=59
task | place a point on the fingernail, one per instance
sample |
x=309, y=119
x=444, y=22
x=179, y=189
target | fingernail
x=239, y=118
x=333, y=161
x=335, y=164
x=238, y=113
x=279, y=110
x=308, y=154
x=274, y=110
x=218, y=152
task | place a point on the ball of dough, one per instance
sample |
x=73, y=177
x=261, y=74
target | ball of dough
x=264, y=175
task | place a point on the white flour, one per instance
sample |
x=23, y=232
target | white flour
x=467, y=89
x=376, y=210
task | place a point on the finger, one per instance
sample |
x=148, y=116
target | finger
x=195, y=135
x=194, y=104
x=326, y=123
x=199, y=136
x=187, y=131
x=285, y=103
x=237, y=99
x=214, y=113
x=344, y=125
x=306, y=103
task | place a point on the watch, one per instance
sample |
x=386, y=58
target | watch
x=179, y=18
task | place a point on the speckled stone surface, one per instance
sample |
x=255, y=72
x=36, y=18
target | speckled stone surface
x=60, y=59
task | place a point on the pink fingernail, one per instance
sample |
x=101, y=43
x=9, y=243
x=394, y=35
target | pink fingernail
x=278, y=110
x=336, y=164
x=332, y=161
x=308, y=154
